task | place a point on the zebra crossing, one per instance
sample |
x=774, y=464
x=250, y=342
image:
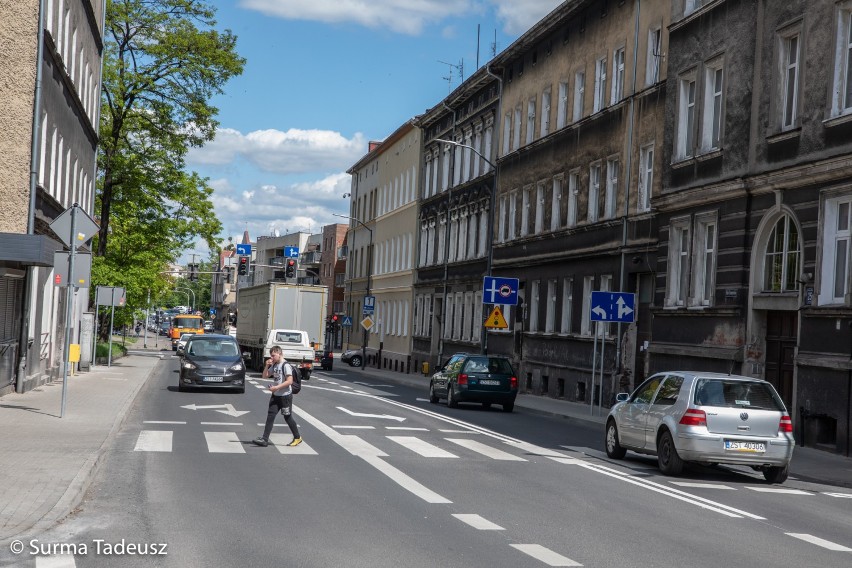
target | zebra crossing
x=233, y=442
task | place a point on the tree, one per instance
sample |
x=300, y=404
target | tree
x=163, y=62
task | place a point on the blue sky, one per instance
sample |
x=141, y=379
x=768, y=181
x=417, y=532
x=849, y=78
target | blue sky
x=322, y=79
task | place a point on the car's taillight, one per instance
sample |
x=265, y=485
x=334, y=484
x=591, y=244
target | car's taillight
x=513, y=383
x=786, y=424
x=694, y=417
x=462, y=379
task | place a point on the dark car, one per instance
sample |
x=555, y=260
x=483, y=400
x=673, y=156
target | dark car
x=212, y=361
x=325, y=360
x=352, y=356
x=475, y=378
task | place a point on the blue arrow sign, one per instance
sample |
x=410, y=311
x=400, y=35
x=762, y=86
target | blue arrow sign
x=243, y=249
x=500, y=291
x=613, y=306
x=347, y=321
x=291, y=252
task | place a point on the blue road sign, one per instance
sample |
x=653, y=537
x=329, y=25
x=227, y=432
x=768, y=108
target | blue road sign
x=291, y=252
x=347, y=321
x=244, y=249
x=212, y=311
x=613, y=306
x=500, y=291
x=369, y=305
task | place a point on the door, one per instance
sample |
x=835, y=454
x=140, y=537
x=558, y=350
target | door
x=666, y=397
x=781, y=339
x=631, y=418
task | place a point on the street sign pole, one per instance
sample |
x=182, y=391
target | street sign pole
x=594, y=370
x=603, y=347
x=111, y=322
x=69, y=295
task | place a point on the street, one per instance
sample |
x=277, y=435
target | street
x=386, y=479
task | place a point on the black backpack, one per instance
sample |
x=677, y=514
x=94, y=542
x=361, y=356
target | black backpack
x=296, y=387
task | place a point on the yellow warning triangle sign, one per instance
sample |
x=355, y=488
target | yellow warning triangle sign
x=496, y=320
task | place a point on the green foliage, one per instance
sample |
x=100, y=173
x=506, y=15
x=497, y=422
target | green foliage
x=163, y=62
x=102, y=349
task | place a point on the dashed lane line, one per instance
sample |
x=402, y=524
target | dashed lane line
x=545, y=555
x=820, y=542
x=478, y=522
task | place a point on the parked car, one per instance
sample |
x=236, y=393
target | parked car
x=475, y=378
x=212, y=360
x=353, y=357
x=181, y=344
x=708, y=418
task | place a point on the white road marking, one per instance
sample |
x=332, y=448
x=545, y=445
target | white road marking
x=163, y=422
x=484, y=449
x=459, y=432
x=841, y=495
x=369, y=385
x=344, y=427
x=566, y=461
x=57, y=561
x=410, y=428
x=779, y=490
x=405, y=481
x=418, y=446
x=820, y=542
x=154, y=441
x=478, y=522
x=281, y=440
x=274, y=425
x=224, y=443
x=545, y=555
x=421, y=399
x=221, y=423
x=702, y=485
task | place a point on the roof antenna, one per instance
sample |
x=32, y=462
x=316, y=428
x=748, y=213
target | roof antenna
x=449, y=77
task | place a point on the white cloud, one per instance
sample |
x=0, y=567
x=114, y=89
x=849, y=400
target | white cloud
x=518, y=16
x=293, y=151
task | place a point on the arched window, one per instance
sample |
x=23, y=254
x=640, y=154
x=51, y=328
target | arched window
x=781, y=261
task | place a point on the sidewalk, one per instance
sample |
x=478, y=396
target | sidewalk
x=48, y=462
x=808, y=464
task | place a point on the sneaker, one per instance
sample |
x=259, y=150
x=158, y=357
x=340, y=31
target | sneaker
x=295, y=442
x=262, y=442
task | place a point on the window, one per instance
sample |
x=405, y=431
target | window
x=705, y=260
x=652, y=63
x=594, y=192
x=789, y=81
x=562, y=108
x=712, y=116
x=516, y=135
x=834, y=278
x=646, y=177
x=530, y=121
x=842, y=94
x=550, y=309
x=545, y=113
x=693, y=5
x=579, y=94
x=489, y=136
x=534, y=305
x=678, y=274
x=525, y=212
x=445, y=168
x=539, y=208
x=617, y=75
x=477, y=144
x=600, y=85
x=573, y=192
x=507, y=132
x=585, y=322
x=503, y=221
x=686, y=118
x=611, y=188
x=513, y=214
x=567, y=302
x=556, y=203
x=781, y=262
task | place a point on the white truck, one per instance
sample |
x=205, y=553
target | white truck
x=275, y=314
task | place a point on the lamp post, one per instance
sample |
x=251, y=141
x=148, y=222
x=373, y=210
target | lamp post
x=369, y=279
x=483, y=337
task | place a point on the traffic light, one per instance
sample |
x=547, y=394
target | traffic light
x=290, y=270
x=193, y=272
x=242, y=270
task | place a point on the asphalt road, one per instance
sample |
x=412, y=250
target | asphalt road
x=386, y=479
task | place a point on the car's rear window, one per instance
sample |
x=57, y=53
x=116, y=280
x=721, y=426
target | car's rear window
x=488, y=365
x=284, y=337
x=737, y=394
x=186, y=322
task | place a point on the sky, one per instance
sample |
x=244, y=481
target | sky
x=322, y=79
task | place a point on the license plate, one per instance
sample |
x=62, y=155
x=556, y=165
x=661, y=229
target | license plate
x=746, y=447
x=489, y=382
x=214, y=379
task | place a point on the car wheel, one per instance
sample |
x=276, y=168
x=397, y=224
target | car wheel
x=667, y=458
x=355, y=361
x=508, y=406
x=776, y=474
x=433, y=398
x=613, y=448
x=451, y=398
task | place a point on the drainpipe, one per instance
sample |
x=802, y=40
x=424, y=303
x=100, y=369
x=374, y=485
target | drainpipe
x=23, y=344
x=446, y=242
x=492, y=205
x=628, y=166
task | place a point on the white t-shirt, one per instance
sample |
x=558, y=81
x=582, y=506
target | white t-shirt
x=279, y=375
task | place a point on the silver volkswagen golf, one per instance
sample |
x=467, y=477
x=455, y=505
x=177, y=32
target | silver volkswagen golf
x=708, y=418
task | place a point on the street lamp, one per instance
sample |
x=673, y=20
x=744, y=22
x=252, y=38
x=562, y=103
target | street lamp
x=483, y=337
x=369, y=280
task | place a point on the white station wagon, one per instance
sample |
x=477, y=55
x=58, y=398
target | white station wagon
x=708, y=418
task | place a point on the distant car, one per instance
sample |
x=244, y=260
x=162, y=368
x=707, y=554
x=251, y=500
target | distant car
x=212, y=360
x=181, y=344
x=326, y=361
x=709, y=418
x=208, y=325
x=352, y=356
x=485, y=379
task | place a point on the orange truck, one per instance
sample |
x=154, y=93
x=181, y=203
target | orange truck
x=184, y=323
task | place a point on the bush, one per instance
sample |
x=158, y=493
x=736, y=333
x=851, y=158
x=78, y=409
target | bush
x=118, y=350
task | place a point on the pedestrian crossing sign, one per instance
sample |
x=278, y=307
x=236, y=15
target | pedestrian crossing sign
x=496, y=320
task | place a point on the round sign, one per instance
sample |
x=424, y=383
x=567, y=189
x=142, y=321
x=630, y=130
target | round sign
x=505, y=290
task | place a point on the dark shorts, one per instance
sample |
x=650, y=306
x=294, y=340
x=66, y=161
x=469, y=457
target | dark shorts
x=283, y=403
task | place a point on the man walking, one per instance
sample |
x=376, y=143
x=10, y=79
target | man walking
x=282, y=396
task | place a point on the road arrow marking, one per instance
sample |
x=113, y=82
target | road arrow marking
x=229, y=409
x=385, y=416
